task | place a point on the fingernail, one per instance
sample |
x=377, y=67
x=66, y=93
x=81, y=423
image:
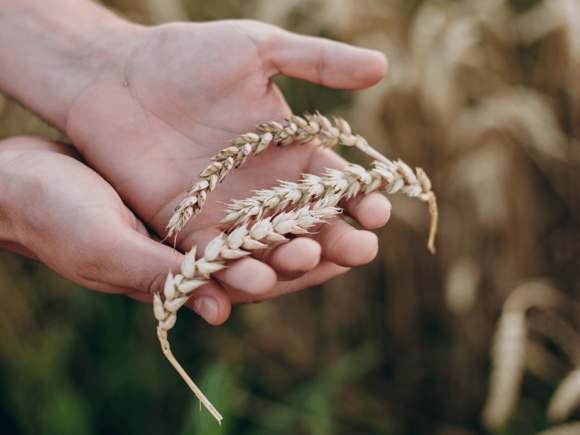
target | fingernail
x=206, y=308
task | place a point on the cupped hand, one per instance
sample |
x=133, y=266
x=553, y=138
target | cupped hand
x=170, y=97
x=62, y=213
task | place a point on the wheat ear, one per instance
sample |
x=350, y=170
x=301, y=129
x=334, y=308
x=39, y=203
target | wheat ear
x=329, y=189
x=195, y=273
x=304, y=130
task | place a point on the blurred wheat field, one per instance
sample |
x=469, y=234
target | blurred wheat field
x=485, y=96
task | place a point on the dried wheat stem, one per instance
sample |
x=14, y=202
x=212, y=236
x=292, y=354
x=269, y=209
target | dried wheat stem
x=327, y=190
x=238, y=244
x=185, y=376
x=398, y=175
x=434, y=213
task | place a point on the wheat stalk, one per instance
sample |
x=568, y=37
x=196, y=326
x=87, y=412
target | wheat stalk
x=566, y=398
x=399, y=176
x=508, y=355
x=238, y=244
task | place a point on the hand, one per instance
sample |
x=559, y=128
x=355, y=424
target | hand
x=172, y=96
x=62, y=213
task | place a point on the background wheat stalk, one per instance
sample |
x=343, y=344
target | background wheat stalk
x=566, y=398
x=509, y=355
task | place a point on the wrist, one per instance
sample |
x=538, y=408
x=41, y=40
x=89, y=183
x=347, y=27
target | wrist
x=51, y=51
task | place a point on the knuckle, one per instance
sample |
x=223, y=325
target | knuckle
x=154, y=283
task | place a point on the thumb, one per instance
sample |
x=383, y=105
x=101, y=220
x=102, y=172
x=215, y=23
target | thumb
x=325, y=62
x=131, y=263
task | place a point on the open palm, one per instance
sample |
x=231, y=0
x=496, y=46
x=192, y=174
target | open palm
x=172, y=96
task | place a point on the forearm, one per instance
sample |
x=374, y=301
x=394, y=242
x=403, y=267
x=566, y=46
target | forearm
x=50, y=50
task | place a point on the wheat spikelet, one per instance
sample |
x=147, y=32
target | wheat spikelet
x=566, y=398
x=399, y=176
x=565, y=429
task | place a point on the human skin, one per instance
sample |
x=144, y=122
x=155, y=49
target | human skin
x=57, y=210
x=147, y=107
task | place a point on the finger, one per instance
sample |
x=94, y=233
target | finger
x=292, y=259
x=344, y=245
x=143, y=265
x=246, y=275
x=371, y=210
x=135, y=222
x=323, y=272
x=324, y=62
x=24, y=143
x=209, y=301
x=126, y=261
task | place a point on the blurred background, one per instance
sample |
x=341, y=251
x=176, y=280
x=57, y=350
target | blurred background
x=485, y=96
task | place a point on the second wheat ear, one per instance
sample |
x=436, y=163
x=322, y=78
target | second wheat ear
x=261, y=219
